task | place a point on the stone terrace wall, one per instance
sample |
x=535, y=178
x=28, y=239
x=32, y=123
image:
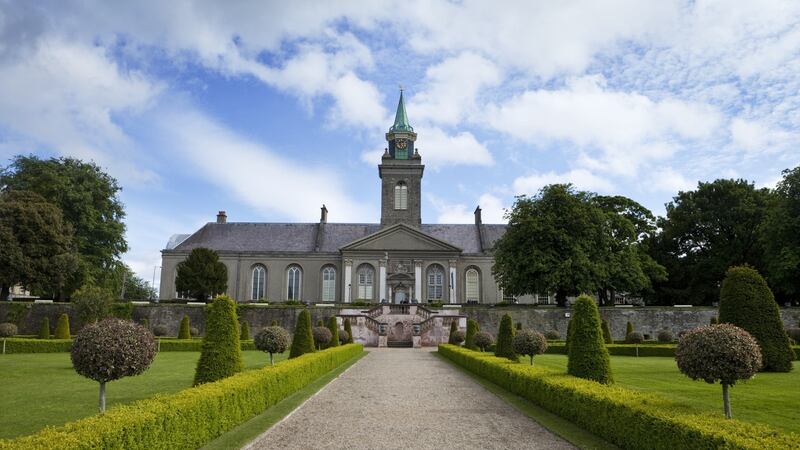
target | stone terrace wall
x=647, y=320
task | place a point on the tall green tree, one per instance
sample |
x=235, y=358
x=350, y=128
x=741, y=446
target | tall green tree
x=706, y=231
x=780, y=236
x=35, y=240
x=202, y=275
x=89, y=201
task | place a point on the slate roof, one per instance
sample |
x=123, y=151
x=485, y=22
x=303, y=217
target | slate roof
x=301, y=237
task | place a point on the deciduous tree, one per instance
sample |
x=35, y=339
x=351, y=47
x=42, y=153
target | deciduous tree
x=202, y=275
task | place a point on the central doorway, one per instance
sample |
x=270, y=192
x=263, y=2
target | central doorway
x=400, y=295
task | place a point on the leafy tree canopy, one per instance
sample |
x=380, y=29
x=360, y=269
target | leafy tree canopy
x=202, y=275
x=780, y=236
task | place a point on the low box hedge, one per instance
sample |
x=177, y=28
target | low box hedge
x=22, y=345
x=624, y=349
x=627, y=418
x=193, y=416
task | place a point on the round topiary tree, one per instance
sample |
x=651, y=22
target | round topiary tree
x=453, y=329
x=272, y=340
x=724, y=353
x=274, y=323
x=322, y=336
x=344, y=336
x=62, y=327
x=349, y=330
x=483, y=339
x=606, y=332
x=746, y=301
x=635, y=338
x=245, y=336
x=529, y=343
x=458, y=337
x=303, y=340
x=160, y=330
x=184, y=330
x=221, y=352
x=333, y=327
x=505, y=339
x=8, y=329
x=665, y=336
x=112, y=349
x=469, y=339
x=194, y=332
x=92, y=303
x=44, y=330
x=588, y=356
x=552, y=335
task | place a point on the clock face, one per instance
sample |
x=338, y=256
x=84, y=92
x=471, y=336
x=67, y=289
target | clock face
x=401, y=143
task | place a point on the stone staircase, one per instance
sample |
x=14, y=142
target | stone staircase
x=402, y=326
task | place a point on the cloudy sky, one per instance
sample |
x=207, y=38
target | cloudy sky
x=268, y=109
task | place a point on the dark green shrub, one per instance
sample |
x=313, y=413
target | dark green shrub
x=146, y=323
x=794, y=333
x=628, y=328
x=458, y=337
x=221, y=354
x=184, y=331
x=519, y=326
x=552, y=335
x=665, y=337
x=201, y=275
x=92, y=303
x=274, y=323
x=469, y=339
x=453, y=329
x=713, y=320
x=62, y=327
x=303, y=340
x=44, y=330
x=635, y=338
x=569, y=334
x=245, y=336
x=747, y=302
x=483, y=340
x=333, y=327
x=529, y=343
x=112, y=349
x=344, y=336
x=8, y=329
x=322, y=336
x=348, y=328
x=122, y=310
x=724, y=353
x=505, y=339
x=272, y=340
x=588, y=356
x=607, y=333
x=160, y=330
x=320, y=323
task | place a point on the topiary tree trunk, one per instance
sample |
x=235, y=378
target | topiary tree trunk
x=348, y=328
x=505, y=339
x=221, y=354
x=333, y=326
x=726, y=401
x=303, y=340
x=588, y=356
x=472, y=329
x=184, y=330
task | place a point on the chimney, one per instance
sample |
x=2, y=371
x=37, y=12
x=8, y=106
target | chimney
x=478, y=220
x=323, y=217
x=222, y=217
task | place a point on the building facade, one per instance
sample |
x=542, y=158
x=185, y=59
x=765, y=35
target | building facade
x=399, y=260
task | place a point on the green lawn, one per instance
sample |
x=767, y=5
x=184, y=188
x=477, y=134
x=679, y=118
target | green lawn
x=771, y=398
x=42, y=389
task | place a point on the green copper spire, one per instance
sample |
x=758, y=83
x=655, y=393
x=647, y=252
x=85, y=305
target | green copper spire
x=400, y=117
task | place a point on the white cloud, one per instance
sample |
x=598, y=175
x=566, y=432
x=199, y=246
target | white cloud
x=255, y=175
x=580, y=178
x=492, y=210
x=667, y=180
x=757, y=137
x=439, y=149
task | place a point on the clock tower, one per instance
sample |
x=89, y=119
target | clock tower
x=401, y=173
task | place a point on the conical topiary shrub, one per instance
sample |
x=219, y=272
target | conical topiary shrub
x=349, y=330
x=746, y=301
x=320, y=323
x=274, y=323
x=184, y=330
x=44, y=330
x=333, y=326
x=588, y=356
x=303, y=340
x=607, y=333
x=628, y=330
x=453, y=329
x=505, y=339
x=221, y=354
x=472, y=329
x=245, y=331
x=62, y=327
x=146, y=323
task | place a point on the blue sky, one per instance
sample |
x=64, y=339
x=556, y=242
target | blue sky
x=269, y=109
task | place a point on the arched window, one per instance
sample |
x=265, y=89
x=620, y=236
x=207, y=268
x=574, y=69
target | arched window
x=329, y=284
x=294, y=283
x=259, y=282
x=473, y=286
x=435, y=283
x=400, y=196
x=366, y=282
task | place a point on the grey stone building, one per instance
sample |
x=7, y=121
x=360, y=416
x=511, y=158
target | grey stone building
x=399, y=260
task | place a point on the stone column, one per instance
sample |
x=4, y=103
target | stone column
x=382, y=283
x=418, y=280
x=348, y=280
x=453, y=282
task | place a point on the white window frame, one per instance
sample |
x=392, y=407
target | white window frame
x=435, y=277
x=294, y=283
x=365, y=282
x=329, y=284
x=401, y=196
x=258, y=278
x=472, y=293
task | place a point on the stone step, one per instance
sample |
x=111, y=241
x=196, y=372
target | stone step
x=399, y=344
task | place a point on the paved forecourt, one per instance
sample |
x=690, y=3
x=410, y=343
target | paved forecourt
x=406, y=398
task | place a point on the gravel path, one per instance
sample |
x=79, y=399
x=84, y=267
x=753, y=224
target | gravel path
x=409, y=399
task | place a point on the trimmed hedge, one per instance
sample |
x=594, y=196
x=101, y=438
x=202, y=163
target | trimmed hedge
x=667, y=350
x=627, y=418
x=193, y=416
x=26, y=345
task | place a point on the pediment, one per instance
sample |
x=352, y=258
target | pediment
x=400, y=237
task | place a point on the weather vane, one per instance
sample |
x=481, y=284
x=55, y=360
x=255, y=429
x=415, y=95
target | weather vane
x=401, y=87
